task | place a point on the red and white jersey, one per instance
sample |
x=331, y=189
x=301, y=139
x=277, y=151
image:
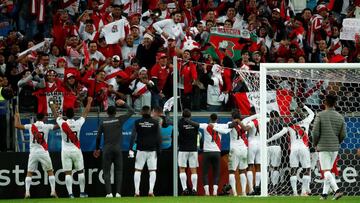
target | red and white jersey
x=212, y=136
x=138, y=88
x=315, y=26
x=299, y=132
x=70, y=137
x=238, y=138
x=253, y=133
x=39, y=132
x=111, y=73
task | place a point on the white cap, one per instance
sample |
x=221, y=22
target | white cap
x=143, y=69
x=147, y=35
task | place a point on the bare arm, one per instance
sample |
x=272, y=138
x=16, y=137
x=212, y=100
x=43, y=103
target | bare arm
x=87, y=108
x=17, y=122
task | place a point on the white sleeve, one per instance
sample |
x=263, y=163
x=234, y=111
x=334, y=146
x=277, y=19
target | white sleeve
x=222, y=128
x=250, y=118
x=158, y=26
x=203, y=125
x=27, y=126
x=81, y=28
x=310, y=117
x=278, y=135
x=59, y=120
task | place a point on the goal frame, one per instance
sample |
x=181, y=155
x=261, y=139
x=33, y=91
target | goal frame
x=264, y=68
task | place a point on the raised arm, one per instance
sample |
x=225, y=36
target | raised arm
x=17, y=122
x=250, y=118
x=311, y=115
x=87, y=108
x=278, y=135
x=222, y=128
x=130, y=110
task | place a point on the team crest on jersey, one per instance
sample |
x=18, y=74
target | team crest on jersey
x=114, y=28
x=229, y=47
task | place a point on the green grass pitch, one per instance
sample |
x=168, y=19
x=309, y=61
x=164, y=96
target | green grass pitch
x=353, y=199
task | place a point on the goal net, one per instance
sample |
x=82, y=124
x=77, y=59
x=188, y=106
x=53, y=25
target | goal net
x=285, y=95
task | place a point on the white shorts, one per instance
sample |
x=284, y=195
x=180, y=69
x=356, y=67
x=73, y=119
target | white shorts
x=300, y=154
x=192, y=157
x=142, y=157
x=68, y=158
x=238, y=158
x=42, y=158
x=327, y=160
x=254, y=153
x=274, y=156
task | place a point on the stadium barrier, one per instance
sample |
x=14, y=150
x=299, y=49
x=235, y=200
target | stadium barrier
x=13, y=170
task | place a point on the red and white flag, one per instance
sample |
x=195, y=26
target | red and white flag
x=278, y=100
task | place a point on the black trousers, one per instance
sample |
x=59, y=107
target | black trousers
x=211, y=159
x=113, y=155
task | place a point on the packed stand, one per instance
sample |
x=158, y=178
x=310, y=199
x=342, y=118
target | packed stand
x=111, y=49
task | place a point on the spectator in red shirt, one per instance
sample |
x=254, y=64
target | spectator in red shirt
x=159, y=75
x=187, y=74
x=97, y=87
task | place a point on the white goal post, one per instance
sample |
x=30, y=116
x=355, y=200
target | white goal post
x=265, y=68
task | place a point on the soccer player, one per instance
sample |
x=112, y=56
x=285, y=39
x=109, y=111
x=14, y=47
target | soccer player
x=274, y=150
x=71, y=154
x=188, y=135
x=148, y=139
x=238, y=155
x=299, y=151
x=212, y=151
x=111, y=127
x=39, y=132
x=328, y=133
x=251, y=126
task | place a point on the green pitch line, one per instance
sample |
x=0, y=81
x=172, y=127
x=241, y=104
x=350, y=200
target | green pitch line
x=353, y=199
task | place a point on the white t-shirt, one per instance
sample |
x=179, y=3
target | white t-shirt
x=170, y=27
x=75, y=126
x=114, y=31
x=212, y=137
x=43, y=129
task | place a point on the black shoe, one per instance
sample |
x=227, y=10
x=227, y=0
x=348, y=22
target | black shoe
x=323, y=197
x=251, y=193
x=257, y=190
x=337, y=195
x=194, y=192
x=186, y=192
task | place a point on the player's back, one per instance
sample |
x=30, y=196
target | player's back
x=253, y=132
x=39, y=132
x=75, y=127
x=148, y=134
x=188, y=135
x=238, y=137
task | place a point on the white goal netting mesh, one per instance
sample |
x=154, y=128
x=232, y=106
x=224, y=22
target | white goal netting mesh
x=293, y=95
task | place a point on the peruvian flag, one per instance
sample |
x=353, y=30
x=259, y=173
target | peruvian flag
x=278, y=100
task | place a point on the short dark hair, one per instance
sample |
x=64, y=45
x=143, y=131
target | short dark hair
x=145, y=110
x=111, y=110
x=186, y=113
x=40, y=116
x=213, y=117
x=252, y=110
x=235, y=114
x=69, y=113
x=331, y=99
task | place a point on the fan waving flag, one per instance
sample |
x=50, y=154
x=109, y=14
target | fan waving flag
x=227, y=39
x=278, y=100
